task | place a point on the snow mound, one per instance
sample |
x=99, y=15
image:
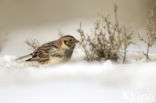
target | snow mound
x=106, y=73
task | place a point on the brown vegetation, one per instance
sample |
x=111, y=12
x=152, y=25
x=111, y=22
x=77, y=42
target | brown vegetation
x=150, y=35
x=33, y=44
x=107, y=41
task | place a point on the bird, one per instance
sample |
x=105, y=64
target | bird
x=53, y=52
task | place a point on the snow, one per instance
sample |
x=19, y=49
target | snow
x=78, y=82
x=107, y=73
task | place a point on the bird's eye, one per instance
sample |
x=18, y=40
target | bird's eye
x=70, y=40
x=65, y=41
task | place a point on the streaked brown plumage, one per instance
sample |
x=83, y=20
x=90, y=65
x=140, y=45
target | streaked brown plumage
x=54, y=52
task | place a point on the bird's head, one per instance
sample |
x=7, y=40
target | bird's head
x=68, y=42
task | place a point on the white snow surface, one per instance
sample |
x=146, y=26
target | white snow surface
x=107, y=73
x=78, y=82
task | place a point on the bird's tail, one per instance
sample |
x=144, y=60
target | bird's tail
x=26, y=56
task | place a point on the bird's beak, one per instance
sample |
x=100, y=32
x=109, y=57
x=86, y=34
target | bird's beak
x=76, y=41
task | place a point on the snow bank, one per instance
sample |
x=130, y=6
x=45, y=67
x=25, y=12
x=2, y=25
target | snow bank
x=77, y=82
x=107, y=73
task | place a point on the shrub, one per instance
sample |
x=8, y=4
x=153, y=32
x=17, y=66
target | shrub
x=107, y=41
x=150, y=32
x=33, y=44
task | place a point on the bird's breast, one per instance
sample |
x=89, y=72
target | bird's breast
x=68, y=53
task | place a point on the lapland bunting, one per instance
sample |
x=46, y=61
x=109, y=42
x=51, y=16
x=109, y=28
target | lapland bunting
x=54, y=52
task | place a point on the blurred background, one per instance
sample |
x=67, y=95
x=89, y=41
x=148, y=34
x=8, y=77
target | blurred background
x=17, y=14
x=43, y=19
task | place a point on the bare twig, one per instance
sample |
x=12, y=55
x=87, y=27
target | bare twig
x=150, y=36
x=33, y=44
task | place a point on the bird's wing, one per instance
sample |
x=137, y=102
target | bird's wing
x=44, y=51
